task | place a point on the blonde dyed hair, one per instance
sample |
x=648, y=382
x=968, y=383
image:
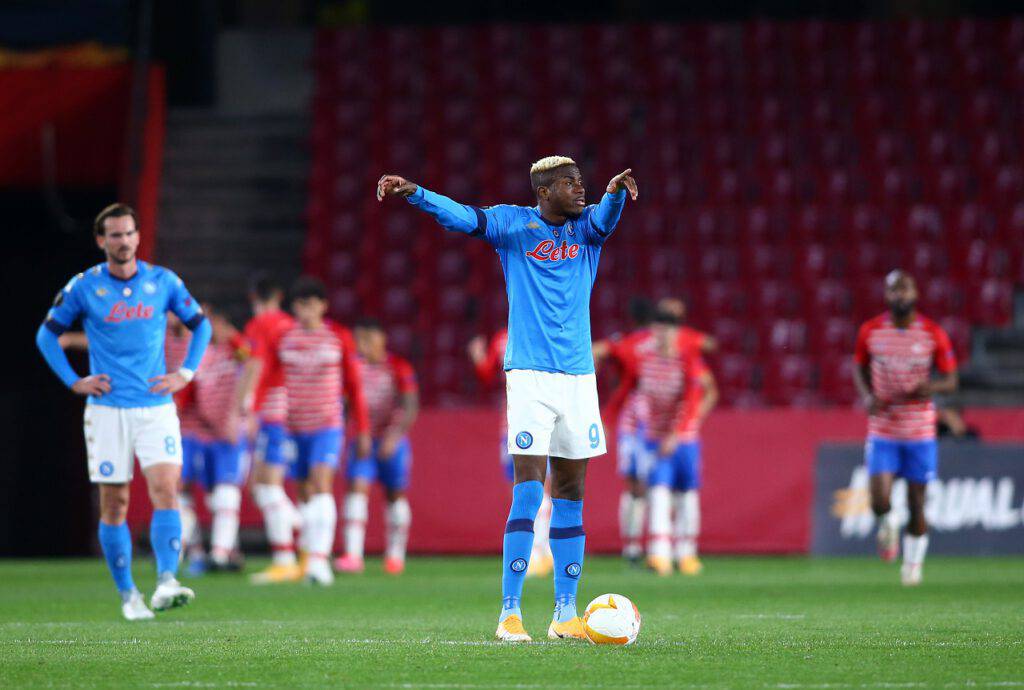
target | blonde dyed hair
x=550, y=163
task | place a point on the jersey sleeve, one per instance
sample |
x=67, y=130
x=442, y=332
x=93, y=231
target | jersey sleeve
x=861, y=356
x=352, y=382
x=405, y=377
x=67, y=307
x=945, y=357
x=694, y=370
x=183, y=304
x=603, y=218
x=497, y=222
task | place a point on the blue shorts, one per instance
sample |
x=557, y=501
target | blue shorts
x=679, y=471
x=634, y=456
x=915, y=461
x=321, y=447
x=271, y=444
x=214, y=462
x=392, y=473
x=192, y=460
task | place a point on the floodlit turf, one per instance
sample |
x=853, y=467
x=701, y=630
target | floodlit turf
x=745, y=623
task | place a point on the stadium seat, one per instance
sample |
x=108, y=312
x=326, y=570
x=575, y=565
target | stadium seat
x=778, y=200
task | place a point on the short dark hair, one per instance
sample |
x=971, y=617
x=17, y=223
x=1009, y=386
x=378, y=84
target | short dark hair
x=308, y=286
x=369, y=323
x=117, y=210
x=265, y=287
x=546, y=178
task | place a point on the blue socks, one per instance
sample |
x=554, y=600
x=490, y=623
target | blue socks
x=116, y=542
x=165, y=535
x=518, y=543
x=567, y=541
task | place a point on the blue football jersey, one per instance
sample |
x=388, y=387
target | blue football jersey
x=549, y=274
x=126, y=323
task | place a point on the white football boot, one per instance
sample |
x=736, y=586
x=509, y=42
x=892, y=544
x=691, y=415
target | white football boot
x=171, y=594
x=318, y=572
x=135, y=608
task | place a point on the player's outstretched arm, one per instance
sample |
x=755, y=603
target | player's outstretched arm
x=450, y=214
x=606, y=215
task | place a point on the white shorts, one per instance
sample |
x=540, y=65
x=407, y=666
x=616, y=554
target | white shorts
x=114, y=436
x=553, y=414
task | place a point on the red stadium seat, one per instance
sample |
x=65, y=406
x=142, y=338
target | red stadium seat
x=788, y=168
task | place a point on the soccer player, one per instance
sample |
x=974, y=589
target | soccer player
x=674, y=392
x=488, y=361
x=894, y=357
x=122, y=304
x=550, y=255
x=221, y=403
x=194, y=437
x=319, y=362
x=263, y=374
x=635, y=460
x=392, y=400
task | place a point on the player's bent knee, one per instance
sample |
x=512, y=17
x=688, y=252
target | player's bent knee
x=880, y=506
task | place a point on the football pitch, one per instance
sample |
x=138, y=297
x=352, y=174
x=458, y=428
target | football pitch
x=745, y=623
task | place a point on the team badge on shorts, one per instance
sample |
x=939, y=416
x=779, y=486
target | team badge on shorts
x=518, y=565
x=573, y=570
x=106, y=468
x=524, y=439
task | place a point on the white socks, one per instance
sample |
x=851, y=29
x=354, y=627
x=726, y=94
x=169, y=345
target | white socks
x=356, y=514
x=190, y=535
x=399, y=516
x=224, y=503
x=914, y=549
x=279, y=520
x=319, y=520
x=687, y=523
x=631, y=523
x=659, y=529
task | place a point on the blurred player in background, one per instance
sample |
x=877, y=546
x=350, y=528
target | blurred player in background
x=194, y=437
x=488, y=360
x=222, y=404
x=264, y=377
x=319, y=361
x=122, y=304
x=549, y=254
x=674, y=393
x=622, y=410
x=392, y=400
x=635, y=461
x=894, y=357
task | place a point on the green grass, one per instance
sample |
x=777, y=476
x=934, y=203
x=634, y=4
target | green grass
x=745, y=623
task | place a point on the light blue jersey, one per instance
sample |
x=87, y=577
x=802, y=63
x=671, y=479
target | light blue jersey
x=549, y=274
x=126, y=323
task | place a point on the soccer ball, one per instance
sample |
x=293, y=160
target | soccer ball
x=611, y=619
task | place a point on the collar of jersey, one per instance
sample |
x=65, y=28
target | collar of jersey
x=536, y=210
x=139, y=267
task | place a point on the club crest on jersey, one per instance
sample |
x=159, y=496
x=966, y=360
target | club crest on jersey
x=122, y=311
x=524, y=439
x=547, y=250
